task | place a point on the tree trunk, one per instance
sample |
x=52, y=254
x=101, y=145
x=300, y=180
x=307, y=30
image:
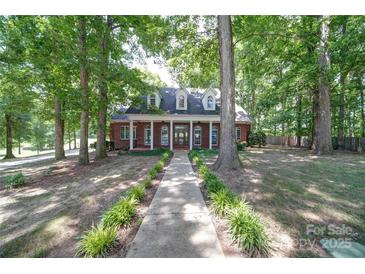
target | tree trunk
x=69, y=137
x=59, y=130
x=341, y=114
x=104, y=50
x=228, y=156
x=84, y=119
x=19, y=146
x=314, y=120
x=362, y=111
x=324, y=141
x=299, y=120
x=75, y=144
x=9, y=137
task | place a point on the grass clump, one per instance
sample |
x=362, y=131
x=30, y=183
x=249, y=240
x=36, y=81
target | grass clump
x=245, y=226
x=147, y=183
x=248, y=231
x=120, y=214
x=137, y=192
x=159, y=166
x=152, y=174
x=16, y=180
x=223, y=201
x=97, y=241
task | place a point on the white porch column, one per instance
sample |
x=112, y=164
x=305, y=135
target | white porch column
x=151, y=134
x=171, y=135
x=191, y=135
x=131, y=134
x=210, y=134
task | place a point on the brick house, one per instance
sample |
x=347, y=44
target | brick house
x=175, y=119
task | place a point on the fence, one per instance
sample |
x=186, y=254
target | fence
x=350, y=143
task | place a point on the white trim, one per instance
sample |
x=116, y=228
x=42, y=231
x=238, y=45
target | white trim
x=171, y=135
x=131, y=134
x=151, y=135
x=191, y=135
x=210, y=135
x=174, y=117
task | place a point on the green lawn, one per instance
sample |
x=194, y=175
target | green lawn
x=295, y=190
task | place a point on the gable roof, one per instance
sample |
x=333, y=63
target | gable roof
x=168, y=105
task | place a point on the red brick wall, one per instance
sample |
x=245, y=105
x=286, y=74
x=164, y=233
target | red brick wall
x=124, y=144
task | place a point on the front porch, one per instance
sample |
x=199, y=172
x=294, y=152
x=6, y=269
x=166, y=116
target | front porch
x=186, y=134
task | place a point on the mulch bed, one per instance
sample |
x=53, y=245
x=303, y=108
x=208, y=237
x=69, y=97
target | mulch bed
x=126, y=234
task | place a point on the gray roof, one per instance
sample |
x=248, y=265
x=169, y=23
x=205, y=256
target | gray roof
x=168, y=106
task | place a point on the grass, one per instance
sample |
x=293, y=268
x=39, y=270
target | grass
x=137, y=192
x=97, y=241
x=293, y=188
x=15, y=180
x=245, y=226
x=120, y=214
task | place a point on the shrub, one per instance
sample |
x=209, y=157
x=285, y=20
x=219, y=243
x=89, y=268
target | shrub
x=248, y=231
x=15, y=180
x=147, y=183
x=137, y=192
x=202, y=171
x=215, y=185
x=159, y=166
x=223, y=201
x=120, y=214
x=97, y=241
x=241, y=146
x=257, y=138
x=152, y=174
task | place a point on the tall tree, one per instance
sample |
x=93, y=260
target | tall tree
x=228, y=155
x=84, y=118
x=104, y=31
x=323, y=125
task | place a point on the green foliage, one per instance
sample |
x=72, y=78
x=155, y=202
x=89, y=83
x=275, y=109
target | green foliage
x=97, y=241
x=257, y=137
x=147, y=183
x=120, y=214
x=137, y=192
x=245, y=226
x=152, y=173
x=248, y=232
x=159, y=166
x=223, y=201
x=15, y=180
x=241, y=146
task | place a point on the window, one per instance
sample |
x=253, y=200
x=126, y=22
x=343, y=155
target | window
x=238, y=133
x=210, y=102
x=147, y=136
x=214, y=136
x=153, y=99
x=181, y=101
x=124, y=132
x=164, y=136
x=197, y=136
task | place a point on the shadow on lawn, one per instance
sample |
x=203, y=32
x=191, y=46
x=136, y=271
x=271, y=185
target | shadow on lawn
x=293, y=188
x=46, y=214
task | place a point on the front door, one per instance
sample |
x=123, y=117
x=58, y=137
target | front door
x=181, y=137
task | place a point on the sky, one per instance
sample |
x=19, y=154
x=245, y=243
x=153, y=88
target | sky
x=160, y=70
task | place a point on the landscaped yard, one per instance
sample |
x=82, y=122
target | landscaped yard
x=295, y=191
x=60, y=201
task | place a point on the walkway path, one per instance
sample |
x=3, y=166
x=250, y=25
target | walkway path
x=177, y=223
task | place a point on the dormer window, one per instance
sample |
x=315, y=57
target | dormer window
x=153, y=100
x=210, y=102
x=181, y=101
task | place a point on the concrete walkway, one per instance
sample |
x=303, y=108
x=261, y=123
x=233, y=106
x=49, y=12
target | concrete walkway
x=177, y=223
